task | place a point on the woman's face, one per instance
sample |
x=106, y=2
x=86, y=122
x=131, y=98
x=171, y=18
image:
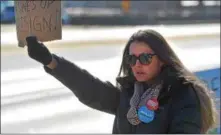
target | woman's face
x=144, y=72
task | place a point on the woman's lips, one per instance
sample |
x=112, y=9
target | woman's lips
x=140, y=73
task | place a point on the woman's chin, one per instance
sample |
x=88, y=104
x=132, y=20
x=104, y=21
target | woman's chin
x=141, y=79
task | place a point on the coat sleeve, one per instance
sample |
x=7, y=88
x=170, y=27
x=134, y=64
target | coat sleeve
x=185, y=113
x=88, y=89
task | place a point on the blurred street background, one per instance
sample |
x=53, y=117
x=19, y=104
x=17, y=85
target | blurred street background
x=94, y=35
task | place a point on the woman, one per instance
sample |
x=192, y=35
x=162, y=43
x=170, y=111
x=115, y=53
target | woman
x=155, y=93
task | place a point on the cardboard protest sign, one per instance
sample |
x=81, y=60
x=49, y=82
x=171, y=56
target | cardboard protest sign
x=41, y=18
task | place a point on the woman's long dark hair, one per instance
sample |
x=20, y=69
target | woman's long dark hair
x=165, y=53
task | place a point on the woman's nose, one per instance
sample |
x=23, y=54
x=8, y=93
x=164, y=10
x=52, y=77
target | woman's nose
x=138, y=63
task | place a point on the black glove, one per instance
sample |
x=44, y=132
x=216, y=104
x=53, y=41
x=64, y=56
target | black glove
x=38, y=51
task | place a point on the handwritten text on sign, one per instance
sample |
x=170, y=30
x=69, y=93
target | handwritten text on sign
x=40, y=18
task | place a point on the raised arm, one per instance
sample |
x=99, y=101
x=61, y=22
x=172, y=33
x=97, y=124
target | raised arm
x=88, y=89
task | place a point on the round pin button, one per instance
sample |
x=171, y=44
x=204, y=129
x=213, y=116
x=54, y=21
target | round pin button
x=145, y=115
x=152, y=104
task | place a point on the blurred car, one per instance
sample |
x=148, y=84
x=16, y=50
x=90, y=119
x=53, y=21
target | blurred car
x=66, y=18
x=8, y=14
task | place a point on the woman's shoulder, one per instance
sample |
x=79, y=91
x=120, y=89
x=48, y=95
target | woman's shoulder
x=185, y=94
x=125, y=82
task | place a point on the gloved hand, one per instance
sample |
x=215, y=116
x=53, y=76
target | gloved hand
x=38, y=51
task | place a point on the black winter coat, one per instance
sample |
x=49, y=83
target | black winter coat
x=178, y=110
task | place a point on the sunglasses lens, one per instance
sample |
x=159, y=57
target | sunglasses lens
x=144, y=59
x=131, y=60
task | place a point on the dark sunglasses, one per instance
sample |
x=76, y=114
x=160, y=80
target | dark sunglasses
x=144, y=58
